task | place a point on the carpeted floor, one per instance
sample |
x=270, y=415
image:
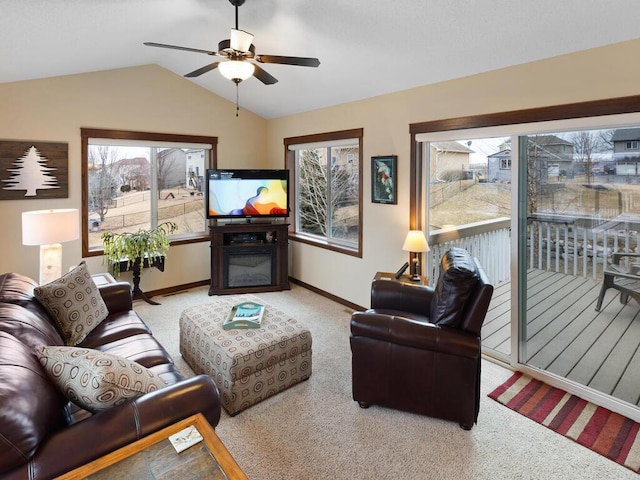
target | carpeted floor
x=608, y=433
x=316, y=431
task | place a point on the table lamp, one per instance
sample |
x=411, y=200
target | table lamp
x=415, y=242
x=49, y=228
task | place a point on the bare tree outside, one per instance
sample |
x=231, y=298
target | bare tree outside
x=312, y=191
x=170, y=169
x=102, y=182
x=329, y=198
x=606, y=139
x=344, y=193
x=585, y=144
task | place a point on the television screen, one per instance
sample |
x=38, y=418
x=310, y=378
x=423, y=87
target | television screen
x=247, y=193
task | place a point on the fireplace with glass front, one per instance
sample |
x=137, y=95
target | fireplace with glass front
x=249, y=257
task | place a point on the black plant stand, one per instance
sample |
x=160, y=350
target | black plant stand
x=157, y=262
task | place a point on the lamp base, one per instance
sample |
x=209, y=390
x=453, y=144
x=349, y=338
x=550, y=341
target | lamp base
x=415, y=268
x=50, y=263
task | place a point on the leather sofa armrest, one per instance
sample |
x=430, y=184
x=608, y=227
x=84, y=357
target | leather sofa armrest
x=415, y=333
x=109, y=430
x=117, y=296
x=392, y=295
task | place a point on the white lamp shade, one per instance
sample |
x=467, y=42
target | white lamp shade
x=415, y=242
x=45, y=227
x=236, y=69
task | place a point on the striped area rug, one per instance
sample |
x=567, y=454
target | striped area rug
x=605, y=432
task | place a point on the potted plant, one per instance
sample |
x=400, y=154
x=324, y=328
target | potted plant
x=133, y=251
x=143, y=244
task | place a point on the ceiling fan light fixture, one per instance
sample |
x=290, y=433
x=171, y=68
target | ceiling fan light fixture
x=236, y=70
x=240, y=40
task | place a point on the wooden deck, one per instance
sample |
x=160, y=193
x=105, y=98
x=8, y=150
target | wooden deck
x=566, y=336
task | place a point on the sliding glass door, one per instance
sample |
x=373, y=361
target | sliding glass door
x=567, y=202
x=582, y=201
x=469, y=191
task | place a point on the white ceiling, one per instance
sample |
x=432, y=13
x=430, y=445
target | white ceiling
x=366, y=47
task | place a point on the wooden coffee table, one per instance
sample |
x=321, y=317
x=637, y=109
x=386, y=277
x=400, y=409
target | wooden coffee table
x=154, y=457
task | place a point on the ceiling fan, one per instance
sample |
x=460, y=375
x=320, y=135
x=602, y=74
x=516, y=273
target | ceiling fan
x=238, y=51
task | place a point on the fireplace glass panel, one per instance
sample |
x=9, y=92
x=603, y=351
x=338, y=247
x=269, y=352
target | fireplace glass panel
x=249, y=269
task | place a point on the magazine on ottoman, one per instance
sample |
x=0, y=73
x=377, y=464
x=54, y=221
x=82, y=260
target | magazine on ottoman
x=244, y=315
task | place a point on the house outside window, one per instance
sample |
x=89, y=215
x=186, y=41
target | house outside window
x=134, y=181
x=327, y=189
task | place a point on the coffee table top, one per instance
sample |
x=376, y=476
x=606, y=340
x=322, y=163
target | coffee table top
x=154, y=457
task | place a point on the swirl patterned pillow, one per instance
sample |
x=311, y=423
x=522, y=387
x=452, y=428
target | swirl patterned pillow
x=75, y=304
x=96, y=380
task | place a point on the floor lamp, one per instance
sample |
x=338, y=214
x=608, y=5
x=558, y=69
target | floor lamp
x=49, y=228
x=415, y=242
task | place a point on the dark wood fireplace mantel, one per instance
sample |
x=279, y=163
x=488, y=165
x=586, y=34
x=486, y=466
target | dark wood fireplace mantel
x=262, y=241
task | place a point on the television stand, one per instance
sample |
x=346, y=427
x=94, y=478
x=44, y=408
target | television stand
x=249, y=258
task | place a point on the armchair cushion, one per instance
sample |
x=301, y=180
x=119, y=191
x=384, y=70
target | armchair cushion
x=413, y=331
x=458, y=277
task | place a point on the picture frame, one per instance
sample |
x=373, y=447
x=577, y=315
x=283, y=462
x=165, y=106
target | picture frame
x=384, y=173
x=33, y=170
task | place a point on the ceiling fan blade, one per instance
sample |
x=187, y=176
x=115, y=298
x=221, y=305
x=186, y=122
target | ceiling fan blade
x=205, y=69
x=264, y=76
x=301, y=61
x=176, y=47
x=241, y=40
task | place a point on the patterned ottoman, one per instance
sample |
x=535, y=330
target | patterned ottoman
x=248, y=365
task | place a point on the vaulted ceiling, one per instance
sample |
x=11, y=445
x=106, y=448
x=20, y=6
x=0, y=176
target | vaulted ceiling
x=366, y=47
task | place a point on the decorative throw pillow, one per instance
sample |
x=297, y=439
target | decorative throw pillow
x=75, y=304
x=96, y=380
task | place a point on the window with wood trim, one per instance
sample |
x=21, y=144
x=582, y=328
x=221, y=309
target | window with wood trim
x=138, y=180
x=326, y=170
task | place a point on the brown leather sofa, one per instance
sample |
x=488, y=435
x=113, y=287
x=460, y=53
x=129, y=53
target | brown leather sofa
x=42, y=434
x=418, y=348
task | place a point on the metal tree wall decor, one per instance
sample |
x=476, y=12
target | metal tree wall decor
x=33, y=170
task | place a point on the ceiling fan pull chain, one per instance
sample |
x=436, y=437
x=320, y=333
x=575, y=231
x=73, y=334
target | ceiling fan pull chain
x=237, y=98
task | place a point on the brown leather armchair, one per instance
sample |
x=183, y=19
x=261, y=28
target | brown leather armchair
x=418, y=348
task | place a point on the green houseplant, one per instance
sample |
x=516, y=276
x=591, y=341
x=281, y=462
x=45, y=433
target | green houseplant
x=143, y=245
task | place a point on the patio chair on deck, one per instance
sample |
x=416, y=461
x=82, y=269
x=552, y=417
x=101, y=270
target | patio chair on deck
x=625, y=280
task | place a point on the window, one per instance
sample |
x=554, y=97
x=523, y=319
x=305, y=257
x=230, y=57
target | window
x=327, y=175
x=134, y=180
x=456, y=199
x=632, y=145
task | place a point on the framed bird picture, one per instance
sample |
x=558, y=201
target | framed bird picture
x=384, y=171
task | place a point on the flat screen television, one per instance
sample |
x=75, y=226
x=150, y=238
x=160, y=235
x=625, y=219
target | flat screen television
x=247, y=193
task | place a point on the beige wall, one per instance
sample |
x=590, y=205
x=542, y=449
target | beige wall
x=151, y=99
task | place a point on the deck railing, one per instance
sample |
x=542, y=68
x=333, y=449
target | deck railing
x=489, y=241
x=578, y=246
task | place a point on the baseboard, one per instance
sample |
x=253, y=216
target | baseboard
x=186, y=286
x=176, y=288
x=328, y=295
